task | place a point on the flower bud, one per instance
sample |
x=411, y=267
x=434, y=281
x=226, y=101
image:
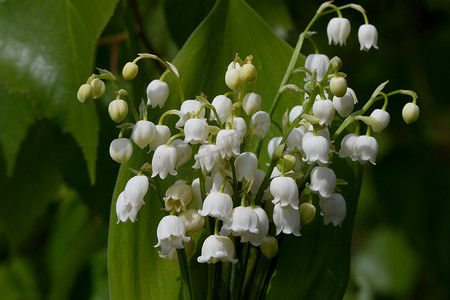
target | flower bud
x=121, y=150
x=222, y=104
x=383, y=117
x=270, y=247
x=410, y=113
x=118, y=110
x=98, y=87
x=248, y=73
x=233, y=79
x=338, y=86
x=143, y=133
x=307, y=213
x=251, y=103
x=130, y=71
x=192, y=220
x=289, y=163
x=157, y=93
x=85, y=93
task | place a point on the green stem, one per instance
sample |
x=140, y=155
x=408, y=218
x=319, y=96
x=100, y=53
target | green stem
x=185, y=275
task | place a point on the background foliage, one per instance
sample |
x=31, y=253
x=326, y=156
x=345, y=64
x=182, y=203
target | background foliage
x=56, y=191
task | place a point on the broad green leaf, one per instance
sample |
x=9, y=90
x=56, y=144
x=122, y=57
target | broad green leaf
x=18, y=280
x=47, y=52
x=16, y=116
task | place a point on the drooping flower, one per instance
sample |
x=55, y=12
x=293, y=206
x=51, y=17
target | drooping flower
x=251, y=103
x=260, y=124
x=184, y=152
x=368, y=37
x=121, y=150
x=240, y=125
x=118, y=110
x=217, y=248
x=246, y=164
x=178, y=196
x=285, y=191
x=410, y=112
x=319, y=62
x=192, y=221
x=163, y=161
x=196, y=131
x=207, y=157
x=263, y=228
x=243, y=220
x=228, y=142
x=366, y=149
x=135, y=190
x=333, y=209
x=222, y=104
x=338, y=30
x=188, y=110
x=316, y=148
x=125, y=211
x=383, y=118
x=348, y=146
x=171, y=234
x=162, y=135
x=286, y=219
x=324, y=110
x=218, y=205
x=323, y=181
x=344, y=105
x=157, y=93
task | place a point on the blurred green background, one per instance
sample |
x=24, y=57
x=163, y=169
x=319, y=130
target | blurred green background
x=54, y=221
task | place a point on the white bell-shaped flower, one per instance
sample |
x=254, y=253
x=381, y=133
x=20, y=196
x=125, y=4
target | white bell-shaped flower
x=260, y=124
x=243, y=220
x=251, y=103
x=184, y=152
x=143, y=133
x=157, y=93
x=368, y=37
x=324, y=110
x=192, y=221
x=319, y=62
x=163, y=161
x=333, y=209
x=162, y=135
x=256, y=239
x=222, y=104
x=240, y=125
x=125, y=211
x=217, y=248
x=135, y=190
x=207, y=157
x=228, y=141
x=273, y=144
x=171, y=234
x=316, y=148
x=294, y=139
x=344, y=105
x=196, y=192
x=348, y=146
x=323, y=181
x=383, y=117
x=196, y=131
x=366, y=149
x=295, y=112
x=246, y=164
x=218, y=205
x=323, y=132
x=217, y=181
x=286, y=219
x=121, y=150
x=284, y=191
x=338, y=30
x=178, y=196
x=188, y=110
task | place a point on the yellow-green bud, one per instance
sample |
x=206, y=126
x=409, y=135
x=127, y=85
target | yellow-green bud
x=99, y=88
x=85, y=93
x=248, y=73
x=289, y=163
x=338, y=86
x=270, y=247
x=336, y=63
x=233, y=79
x=130, y=71
x=118, y=110
x=307, y=213
x=410, y=112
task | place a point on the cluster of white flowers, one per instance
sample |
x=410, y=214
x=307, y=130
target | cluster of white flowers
x=234, y=192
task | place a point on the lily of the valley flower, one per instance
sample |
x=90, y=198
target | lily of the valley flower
x=251, y=103
x=348, y=146
x=338, y=30
x=162, y=135
x=171, y=234
x=344, y=105
x=218, y=205
x=184, y=152
x=316, y=148
x=135, y=190
x=410, y=112
x=188, y=110
x=143, y=133
x=125, y=211
x=284, y=191
x=157, y=93
x=222, y=104
x=121, y=150
x=324, y=110
x=228, y=141
x=333, y=209
x=246, y=164
x=317, y=62
x=192, y=221
x=260, y=124
x=366, y=149
x=286, y=219
x=207, y=157
x=263, y=228
x=196, y=131
x=178, y=196
x=217, y=248
x=164, y=160
x=383, y=117
x=240, y=125
x=368, y=37
x=323, y=181
x=243, y=220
